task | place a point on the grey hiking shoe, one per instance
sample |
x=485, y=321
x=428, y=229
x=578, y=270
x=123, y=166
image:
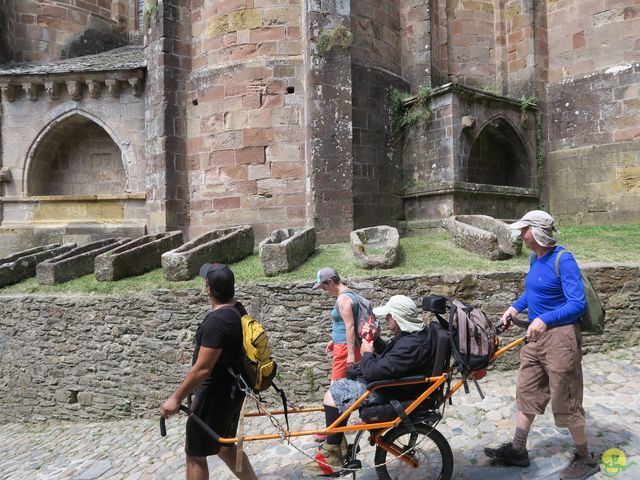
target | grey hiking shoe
x=580, y=467
x=508, y=455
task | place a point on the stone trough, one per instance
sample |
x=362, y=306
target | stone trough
x=286, y=249
x=21, y=265
x=226, y=245
x=376, y=247
x=74, y=263
x=135, y=257
x=484, y=235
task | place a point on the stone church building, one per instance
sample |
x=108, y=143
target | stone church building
x=119, y=117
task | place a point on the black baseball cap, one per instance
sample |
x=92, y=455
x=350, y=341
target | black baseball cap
x=220, y=279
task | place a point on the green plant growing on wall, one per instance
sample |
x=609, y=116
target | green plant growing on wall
x=491, y=85
x=414, y=183
x=539, y=152
x=406, y=113
x=334, y=37
x=311, y=378
x=526, y=104
x=150, y=12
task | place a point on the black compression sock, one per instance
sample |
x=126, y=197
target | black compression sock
x=331, y=414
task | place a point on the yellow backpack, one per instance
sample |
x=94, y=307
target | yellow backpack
x=259, y=366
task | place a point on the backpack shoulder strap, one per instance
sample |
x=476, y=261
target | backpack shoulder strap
x=356, y=304
x=557, y=262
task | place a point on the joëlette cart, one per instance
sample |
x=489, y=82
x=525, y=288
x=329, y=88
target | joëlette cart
x=401, y=437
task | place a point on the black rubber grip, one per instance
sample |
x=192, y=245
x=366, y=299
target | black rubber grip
x=198, y=420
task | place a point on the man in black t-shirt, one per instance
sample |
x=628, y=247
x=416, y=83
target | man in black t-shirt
x=216, y=398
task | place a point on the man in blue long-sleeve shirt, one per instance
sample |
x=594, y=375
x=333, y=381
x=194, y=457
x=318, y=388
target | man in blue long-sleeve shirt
x=551, y=363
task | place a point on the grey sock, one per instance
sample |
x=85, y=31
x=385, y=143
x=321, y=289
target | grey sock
x=582, y=450
x=520, y=439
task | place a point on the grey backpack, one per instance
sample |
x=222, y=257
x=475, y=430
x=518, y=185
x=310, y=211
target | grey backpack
x=363, y=313
x=473, y=337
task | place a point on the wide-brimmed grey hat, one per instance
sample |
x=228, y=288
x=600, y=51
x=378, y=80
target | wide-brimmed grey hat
x=324, y=274
x=404, y=311
x=542, y=224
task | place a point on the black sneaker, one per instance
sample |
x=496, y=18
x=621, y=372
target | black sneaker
x=580, y=468
x=508, y=455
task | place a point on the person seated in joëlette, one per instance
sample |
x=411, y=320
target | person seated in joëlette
x=409, y=352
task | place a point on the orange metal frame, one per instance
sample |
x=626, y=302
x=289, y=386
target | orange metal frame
x=378, y=428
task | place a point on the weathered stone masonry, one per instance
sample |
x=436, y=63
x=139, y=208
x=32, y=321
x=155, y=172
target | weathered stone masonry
x=98, y=357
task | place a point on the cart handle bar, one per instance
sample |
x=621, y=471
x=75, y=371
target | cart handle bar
x=195, y=418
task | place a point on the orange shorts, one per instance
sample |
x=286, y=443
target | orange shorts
x=339, y=368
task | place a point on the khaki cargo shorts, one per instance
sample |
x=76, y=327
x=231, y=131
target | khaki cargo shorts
x=551, y=369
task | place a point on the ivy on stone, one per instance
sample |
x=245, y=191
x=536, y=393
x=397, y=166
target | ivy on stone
x=408, y=110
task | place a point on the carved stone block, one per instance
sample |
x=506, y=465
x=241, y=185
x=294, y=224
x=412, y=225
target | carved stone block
x=75, y=89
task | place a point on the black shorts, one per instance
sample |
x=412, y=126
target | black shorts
x=221, y=414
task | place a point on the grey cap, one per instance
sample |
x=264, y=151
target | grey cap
x=323, y=275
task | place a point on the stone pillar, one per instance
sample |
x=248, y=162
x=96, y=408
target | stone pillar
x=329, y=119
x=415, y=41
x=168, y=65
x=471, y=43
x=439, y=48
x=521, y=17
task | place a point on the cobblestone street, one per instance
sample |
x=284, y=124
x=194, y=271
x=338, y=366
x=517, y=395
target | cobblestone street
x=134, y=450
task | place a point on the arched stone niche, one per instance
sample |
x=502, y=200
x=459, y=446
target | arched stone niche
x=76, y=157
x=498, y=156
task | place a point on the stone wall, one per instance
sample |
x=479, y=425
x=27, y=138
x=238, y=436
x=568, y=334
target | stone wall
x=416, y=42
x=375, y=25
x=377, y=162
x=594, y=128
x=587, y=36
x=246, y=152
x=94, y=357
x=471, y=41
x=50, y=30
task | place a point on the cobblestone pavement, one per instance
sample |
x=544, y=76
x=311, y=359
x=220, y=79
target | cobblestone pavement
x=133, y=449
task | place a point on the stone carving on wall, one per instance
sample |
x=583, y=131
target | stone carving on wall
x=113, y=87
x=75, y=90
x=8, y=92
x=94, y=88
x=136, y=86
x=53, y=89
x=31, y=90
x=5, y=174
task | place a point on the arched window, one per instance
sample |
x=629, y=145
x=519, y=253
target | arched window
x=77, y=157
x=499, y=157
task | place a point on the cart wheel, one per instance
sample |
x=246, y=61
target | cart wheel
x=426, y=446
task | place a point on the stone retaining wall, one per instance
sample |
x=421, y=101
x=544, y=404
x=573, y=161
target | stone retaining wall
x=95, y=357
